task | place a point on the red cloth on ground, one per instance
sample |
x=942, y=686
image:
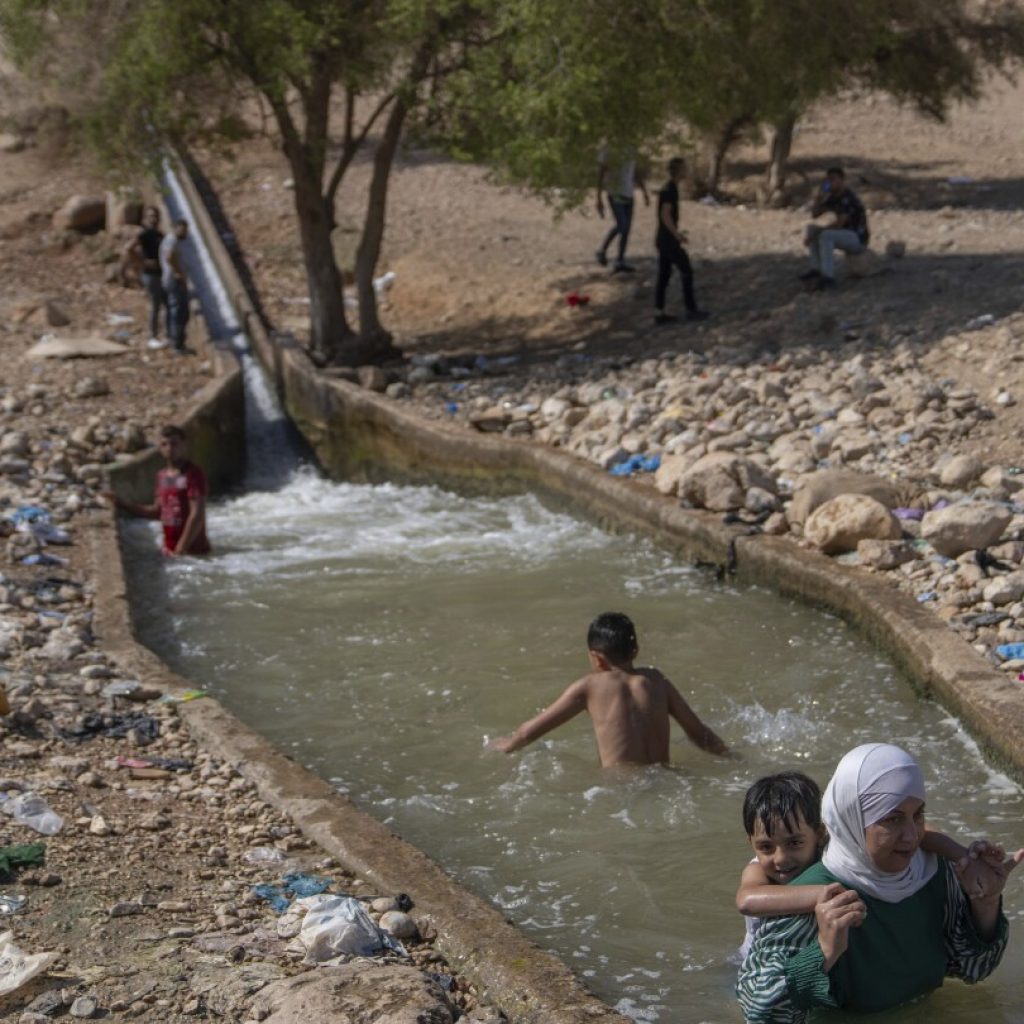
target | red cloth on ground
x=176, y=488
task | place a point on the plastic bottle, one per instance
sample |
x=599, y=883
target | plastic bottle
x=32, y=810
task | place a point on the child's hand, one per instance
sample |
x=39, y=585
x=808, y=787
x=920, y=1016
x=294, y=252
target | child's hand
x=984, y=871
x=502, y=743
x=839, y=910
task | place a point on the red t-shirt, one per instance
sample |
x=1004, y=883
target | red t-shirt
x=175, y=490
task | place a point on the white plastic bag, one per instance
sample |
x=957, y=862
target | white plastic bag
x=340, y=926
x=17, y=967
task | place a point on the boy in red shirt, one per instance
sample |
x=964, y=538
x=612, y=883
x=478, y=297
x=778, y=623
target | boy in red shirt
x=180, y=499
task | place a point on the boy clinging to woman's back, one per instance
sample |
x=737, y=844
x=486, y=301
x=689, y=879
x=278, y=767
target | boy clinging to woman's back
x=629, y=707
x=782, y=818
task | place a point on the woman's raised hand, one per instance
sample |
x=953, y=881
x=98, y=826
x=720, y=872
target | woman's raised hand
x=838, y=910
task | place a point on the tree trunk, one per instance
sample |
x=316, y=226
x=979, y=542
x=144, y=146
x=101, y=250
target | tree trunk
x=373, y=337
x=717, y=149
x=782, y=144
x=329, y=332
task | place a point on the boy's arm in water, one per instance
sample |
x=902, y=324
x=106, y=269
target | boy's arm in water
x=569, y=705
x=700, y=734
x=193, y=525
x=133, y=508
x=759, y=896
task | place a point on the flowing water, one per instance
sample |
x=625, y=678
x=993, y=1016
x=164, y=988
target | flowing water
x=381, y=634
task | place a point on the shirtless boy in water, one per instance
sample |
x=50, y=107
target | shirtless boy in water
x=629, y=707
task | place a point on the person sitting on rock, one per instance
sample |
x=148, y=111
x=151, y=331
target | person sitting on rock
x=848, y=231
x=180, y=499
x=629, y=707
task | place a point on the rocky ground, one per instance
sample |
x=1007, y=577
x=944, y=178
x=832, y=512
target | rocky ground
x=143, y=905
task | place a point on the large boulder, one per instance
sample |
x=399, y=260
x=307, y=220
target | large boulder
x=844, y=521
x=720, y=480
x=87, y=214
x=672, y=467
x=959, y=528
x=817, y=488
x=361, y=993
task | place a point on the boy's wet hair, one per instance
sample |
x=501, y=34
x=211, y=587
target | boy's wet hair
x=789, y=797
x=171, y=430
x=613, y=635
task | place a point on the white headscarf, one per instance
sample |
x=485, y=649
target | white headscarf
x=870, y=782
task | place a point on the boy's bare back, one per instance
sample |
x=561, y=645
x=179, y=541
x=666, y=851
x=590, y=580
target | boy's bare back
x=630, y=710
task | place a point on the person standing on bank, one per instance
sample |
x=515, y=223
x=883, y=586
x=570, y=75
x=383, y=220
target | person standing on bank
x=175, y=283
x=848, y=231
x=624, y=180
x=669, y=241
x=144, y=251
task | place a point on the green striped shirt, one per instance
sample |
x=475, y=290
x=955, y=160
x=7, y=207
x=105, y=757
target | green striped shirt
x=901, y=951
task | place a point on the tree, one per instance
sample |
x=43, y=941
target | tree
x=181, y=70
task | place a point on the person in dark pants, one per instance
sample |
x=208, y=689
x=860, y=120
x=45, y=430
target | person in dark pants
x=172, y=269
x=620, y=183
x=144, y=252
x=671, y=253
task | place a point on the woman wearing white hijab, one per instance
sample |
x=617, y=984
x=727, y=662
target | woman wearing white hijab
x=912, y=921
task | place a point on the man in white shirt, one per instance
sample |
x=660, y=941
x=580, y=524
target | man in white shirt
x=172, y=277
x=619, y=182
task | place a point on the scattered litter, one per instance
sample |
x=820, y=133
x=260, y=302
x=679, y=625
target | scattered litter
x=337, y=926
x=181, y=698
x=960, y=179
x=976, y=323
x=12, y=904
x=24, y=855
x=170, y=764
x=43, y=558
x=905, y=438
x=383, y=283
x=144, y=728
x=636, y=464
x=119, y=319
x=710, y=200
x=574, y=299
x=928, y=595
x=305, y=885
x=451, y=408
x=274, y=895
x=121, y=688
x=32, y=810
x=87, y=345
x=908, y=513
x=263, y=855
x=17, y=967
x=1009, y=652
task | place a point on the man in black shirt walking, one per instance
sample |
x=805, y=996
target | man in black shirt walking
x=671, y=253
x=848, y=232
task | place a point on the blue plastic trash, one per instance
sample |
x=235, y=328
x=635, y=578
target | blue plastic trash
x=274, y=895
x=1010, y=652
x=306, y=885
x=636, y=464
